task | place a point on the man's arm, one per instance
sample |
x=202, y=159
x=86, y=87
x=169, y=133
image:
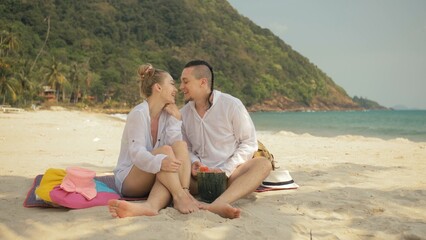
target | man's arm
x=245, y=134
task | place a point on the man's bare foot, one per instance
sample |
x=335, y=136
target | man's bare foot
x=223, y=209
x=185, y=203
x=122, y=209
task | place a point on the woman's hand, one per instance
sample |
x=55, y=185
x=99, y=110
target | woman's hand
x=170, y=164
x=173, y=110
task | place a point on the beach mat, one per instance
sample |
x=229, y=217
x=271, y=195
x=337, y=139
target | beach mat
x=32, y=201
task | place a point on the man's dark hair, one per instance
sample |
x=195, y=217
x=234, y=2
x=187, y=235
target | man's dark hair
x=199, y=74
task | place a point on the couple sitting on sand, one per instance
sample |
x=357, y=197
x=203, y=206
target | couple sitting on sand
x=163, y=147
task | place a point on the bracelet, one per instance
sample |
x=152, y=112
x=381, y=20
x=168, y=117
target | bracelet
x=187, y=188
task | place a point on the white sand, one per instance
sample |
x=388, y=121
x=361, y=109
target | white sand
x=351, y=187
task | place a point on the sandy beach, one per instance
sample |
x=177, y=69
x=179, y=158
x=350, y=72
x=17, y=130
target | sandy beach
x=351, y=187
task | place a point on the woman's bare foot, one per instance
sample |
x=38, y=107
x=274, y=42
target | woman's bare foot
x=197, y=203
x=223, y=209
x=122, y=209
x=185, y=203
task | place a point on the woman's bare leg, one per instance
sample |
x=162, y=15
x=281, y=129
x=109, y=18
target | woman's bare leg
x=180, y=149
x=138, y=182
x=175, y=182
x=158, y=199
x=164, y=185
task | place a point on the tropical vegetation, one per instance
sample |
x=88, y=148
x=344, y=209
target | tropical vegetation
x=87, y=52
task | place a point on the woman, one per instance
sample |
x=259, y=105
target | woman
x=153, y=159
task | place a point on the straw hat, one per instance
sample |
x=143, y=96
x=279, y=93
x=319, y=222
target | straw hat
x=279, y=179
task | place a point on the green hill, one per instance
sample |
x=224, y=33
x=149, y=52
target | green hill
x=367, y=104
x=92, y=48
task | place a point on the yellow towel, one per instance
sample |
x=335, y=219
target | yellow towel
x=51, y=178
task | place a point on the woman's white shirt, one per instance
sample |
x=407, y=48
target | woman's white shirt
x=136, y=142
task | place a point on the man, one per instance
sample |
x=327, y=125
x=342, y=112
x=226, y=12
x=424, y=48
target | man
x=220, y=135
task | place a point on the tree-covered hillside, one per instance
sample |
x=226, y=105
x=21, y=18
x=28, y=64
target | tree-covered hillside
x=367, y=104
x=92, y=49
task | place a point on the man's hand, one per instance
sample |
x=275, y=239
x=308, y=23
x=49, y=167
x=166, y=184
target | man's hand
x=170, y=164
x=195, y=167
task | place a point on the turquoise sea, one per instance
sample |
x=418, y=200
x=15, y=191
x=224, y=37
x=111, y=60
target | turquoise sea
x=409, y=124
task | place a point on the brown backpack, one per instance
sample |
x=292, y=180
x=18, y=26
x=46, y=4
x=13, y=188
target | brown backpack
x=263, y=152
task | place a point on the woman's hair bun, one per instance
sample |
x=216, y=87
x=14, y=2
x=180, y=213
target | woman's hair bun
x=146, y=71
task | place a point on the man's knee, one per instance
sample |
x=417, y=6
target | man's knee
x=264, y=164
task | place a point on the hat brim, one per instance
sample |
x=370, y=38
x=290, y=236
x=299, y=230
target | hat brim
x=279, y=180
x=286, y=186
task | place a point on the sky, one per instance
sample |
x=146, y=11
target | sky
x=374, y=49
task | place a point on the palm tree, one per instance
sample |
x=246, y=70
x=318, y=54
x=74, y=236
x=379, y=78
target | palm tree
x=56, y=79
x=26, y=86
x=3, y=45
x=8, y=85
x=78, y=75
x=8, y=42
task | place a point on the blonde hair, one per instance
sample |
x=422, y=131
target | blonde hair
x=148, y=77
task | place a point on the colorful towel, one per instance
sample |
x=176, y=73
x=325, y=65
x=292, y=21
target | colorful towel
x=32, y=201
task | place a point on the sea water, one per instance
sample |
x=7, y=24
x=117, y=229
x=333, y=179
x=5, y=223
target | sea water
x=409, y=124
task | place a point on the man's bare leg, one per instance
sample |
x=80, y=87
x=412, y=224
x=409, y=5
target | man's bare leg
x=245, y=179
